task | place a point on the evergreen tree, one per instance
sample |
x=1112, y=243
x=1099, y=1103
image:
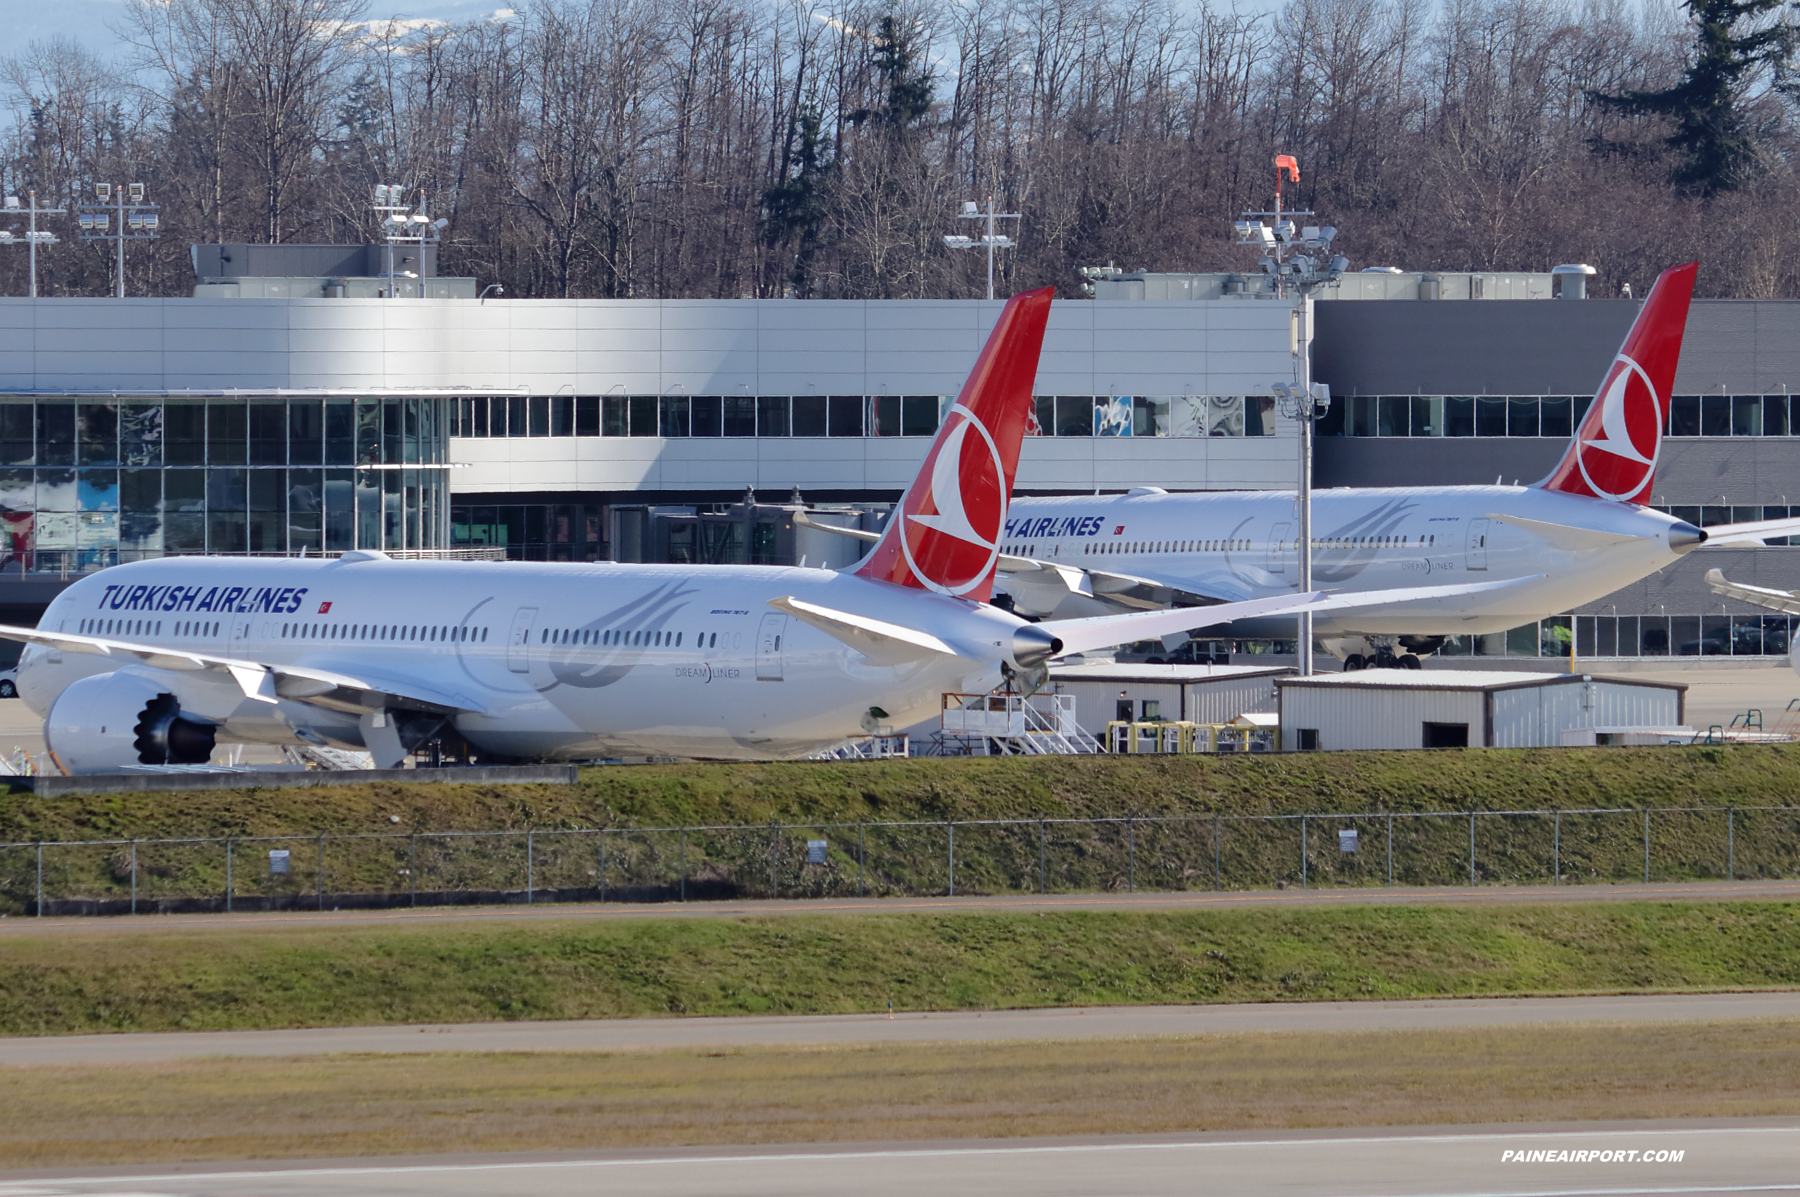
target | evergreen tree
x=910, y=84
x=1735, y=41
x=794, y=208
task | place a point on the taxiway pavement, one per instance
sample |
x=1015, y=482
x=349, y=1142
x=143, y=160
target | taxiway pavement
x=1699, y=891
x=1756, y=1156
x=987, y=1026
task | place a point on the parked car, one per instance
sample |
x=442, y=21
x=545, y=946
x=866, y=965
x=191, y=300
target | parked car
x=1738, y=641
x=9, y=683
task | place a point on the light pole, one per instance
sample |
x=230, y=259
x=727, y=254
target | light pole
x=989, y=240
x=1295, y=260
x=401, y=225
x=138, y=221
x=34, y=236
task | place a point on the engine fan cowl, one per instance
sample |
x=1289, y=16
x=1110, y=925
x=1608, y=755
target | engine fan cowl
x=113, y=721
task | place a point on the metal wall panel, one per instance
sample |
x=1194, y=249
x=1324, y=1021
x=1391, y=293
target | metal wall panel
x=1350, y=717
x=820, y=341
x=1446, y=347
x=1096, y=699
x=1751, y=469
x=1226, y=699
x=1536, y=716
x=598, y=347
x=1450, y=347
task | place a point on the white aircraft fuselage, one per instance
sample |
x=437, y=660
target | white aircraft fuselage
x=558, y=661
x=1567, y=550
x=1579, y=534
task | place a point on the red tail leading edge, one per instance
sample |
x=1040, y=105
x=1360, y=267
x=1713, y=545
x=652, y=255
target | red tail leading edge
x=945, y=534
x=1614, y=452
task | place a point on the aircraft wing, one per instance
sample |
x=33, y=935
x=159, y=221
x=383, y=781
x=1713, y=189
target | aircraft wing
x=1046, y=582
x=264, y=682
x=1751, y=532
x=1775, y=600
x=1106, y=631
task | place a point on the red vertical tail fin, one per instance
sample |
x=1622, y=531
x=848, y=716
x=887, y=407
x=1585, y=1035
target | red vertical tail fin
x=1614, y=452
x=945, y=534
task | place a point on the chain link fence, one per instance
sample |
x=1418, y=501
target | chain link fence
x=917, y=859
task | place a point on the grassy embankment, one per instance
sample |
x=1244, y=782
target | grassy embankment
x=270, y=975
x=1195, y=854
x=934, y=789
x=388, y=1105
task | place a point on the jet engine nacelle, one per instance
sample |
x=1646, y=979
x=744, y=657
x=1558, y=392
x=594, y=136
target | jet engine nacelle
x=113, y=721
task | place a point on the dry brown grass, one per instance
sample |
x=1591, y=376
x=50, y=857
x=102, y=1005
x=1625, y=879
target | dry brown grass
x=380, y=1105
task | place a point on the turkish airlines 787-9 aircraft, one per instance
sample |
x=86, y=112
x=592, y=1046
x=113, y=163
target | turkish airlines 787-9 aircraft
x=153, y=662
x=1579, y=534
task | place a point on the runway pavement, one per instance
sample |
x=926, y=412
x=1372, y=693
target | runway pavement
x=1100, y=1022
x=1700, y=891
x=1736, y=1157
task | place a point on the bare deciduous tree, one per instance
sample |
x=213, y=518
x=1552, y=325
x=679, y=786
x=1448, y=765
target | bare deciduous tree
x=725, y=148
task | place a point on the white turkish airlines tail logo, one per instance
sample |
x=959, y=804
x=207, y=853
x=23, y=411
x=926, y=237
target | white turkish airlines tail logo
x=952, y=518
x=1626, y=471
x=957, y=572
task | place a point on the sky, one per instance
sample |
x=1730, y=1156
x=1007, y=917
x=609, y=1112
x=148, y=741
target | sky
x=87, y=21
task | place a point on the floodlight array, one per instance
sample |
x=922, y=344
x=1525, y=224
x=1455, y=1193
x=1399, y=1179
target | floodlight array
x=138, y=220
x=33, y=236
x=990, y=240
x=403, y=223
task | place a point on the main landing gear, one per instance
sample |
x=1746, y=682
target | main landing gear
x=1381, y=659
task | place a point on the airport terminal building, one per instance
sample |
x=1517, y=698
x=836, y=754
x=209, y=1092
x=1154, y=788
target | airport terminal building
x=297, y=421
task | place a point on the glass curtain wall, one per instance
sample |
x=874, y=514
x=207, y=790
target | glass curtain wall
x=1550, y=415
x=87, y=483
x=682, y=416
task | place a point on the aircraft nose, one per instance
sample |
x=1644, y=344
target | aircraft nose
x=1684, y=536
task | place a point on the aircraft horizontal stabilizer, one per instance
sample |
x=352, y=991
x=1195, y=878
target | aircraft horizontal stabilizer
x=1106, y=631
x=1749, y=533
x=265, y=683
x=881, y=642
x=1566, y=536
x=1775, y=600
x=802, y=520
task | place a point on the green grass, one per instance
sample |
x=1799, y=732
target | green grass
x=371, y=1104
x=815, y=792
x=990, y=859
x=144, y=979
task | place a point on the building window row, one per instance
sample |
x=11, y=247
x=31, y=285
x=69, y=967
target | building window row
x=79, y=520
x=1550, y=415
x=1659, y=635
x=709, y=416
x=222, y=431
x=533, y=531
x=1587, y=636
x=1153, y=415
x=1454, y=415
x=1708, y=515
